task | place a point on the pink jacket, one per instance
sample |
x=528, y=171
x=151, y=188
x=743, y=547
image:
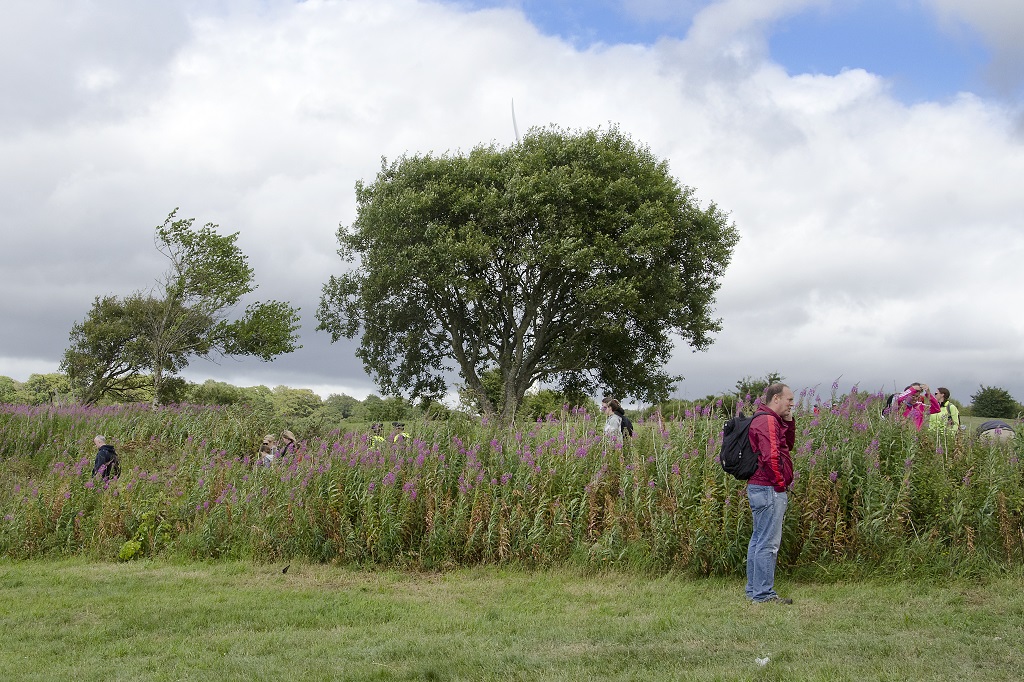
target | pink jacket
x=915, y=410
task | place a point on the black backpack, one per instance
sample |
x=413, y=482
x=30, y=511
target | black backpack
x=738, y=457
x=627, y=426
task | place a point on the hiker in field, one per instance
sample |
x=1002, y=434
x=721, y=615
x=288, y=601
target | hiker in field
x=772, y=439
x=948, y=416
x=915, y=402
x=618, y=425
x=267, y=448
x=107, y=463
x=287, y=443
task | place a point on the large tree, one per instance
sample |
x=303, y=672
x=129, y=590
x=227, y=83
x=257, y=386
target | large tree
x=570, y=258
x=186, y=315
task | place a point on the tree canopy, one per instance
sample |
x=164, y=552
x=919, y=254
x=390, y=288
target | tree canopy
x=186, y=315
x=994, y=402
x=570, y=259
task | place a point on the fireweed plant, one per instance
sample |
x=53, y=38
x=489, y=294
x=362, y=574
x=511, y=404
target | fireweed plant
x=871, y=494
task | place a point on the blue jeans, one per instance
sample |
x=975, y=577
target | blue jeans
x=768, y=508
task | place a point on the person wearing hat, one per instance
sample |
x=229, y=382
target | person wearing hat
x=267, y=450
x=287, y=443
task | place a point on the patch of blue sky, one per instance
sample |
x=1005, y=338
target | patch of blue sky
x=585, y=23
x=899, y=40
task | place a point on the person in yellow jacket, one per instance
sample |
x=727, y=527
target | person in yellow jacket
x=948, y=416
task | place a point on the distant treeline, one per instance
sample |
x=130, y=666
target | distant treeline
x=294, y=406
x=303, y=407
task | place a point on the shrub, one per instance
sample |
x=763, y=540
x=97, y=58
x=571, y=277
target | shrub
x=994, y=402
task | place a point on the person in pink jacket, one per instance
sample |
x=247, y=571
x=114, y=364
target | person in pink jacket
x=916, y=402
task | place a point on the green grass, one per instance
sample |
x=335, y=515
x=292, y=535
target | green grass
x=156, y=620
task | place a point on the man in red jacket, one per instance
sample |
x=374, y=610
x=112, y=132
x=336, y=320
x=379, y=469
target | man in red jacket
x=772, y=434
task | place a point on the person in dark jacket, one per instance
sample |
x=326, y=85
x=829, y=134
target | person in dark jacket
x=106, y=458
x=772, y=435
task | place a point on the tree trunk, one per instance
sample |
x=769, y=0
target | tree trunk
x=158, y=382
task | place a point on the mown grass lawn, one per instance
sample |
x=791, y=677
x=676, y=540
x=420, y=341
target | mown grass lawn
x=154, y=620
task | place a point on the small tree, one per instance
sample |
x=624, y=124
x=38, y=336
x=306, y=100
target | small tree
x=41, y=389
x=994, y=402
x=10, y=390
x=185, y=316
x=108, y=352
x=748, y=385
x=339, y=406
x=295, y=402
x=212, y=392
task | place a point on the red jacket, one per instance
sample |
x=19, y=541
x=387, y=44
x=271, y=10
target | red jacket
x=772, y=439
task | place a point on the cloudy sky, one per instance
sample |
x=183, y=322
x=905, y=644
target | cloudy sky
x=870, y=152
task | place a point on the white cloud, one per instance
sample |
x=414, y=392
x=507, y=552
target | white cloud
x=878, y=239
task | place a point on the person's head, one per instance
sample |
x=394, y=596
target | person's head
x=288, y=437
x=269, y=440
x=611, y=405
x=779, y=398
x=100, y=441
x=942, y=395
x=918, y=391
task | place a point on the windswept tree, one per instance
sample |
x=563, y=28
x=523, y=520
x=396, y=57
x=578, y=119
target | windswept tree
x=571, y=258
x=186, y=315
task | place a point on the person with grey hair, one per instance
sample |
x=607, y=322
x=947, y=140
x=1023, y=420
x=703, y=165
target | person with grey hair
x=107, y=463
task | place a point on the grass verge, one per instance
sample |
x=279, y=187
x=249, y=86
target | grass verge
x=156, y=620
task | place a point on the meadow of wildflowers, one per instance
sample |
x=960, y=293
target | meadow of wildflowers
x=870, y=495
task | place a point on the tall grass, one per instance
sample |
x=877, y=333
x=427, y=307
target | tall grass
x=871, y=495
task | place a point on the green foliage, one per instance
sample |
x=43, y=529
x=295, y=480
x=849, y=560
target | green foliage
x=213, y=392
x=391, y=409
x=10, y=391
x=186, y=316
x=44, y=389
x=748, y=387
x=871, y=495
x=337, y=407
x=572, y=258
x=995, y=403
x=108, y=352
x=295, y=402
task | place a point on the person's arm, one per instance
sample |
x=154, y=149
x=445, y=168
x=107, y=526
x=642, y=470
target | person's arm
x=790, y=433
x=902, y=398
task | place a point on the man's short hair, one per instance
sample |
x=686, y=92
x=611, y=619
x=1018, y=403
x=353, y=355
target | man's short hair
x=101, y=440
x=773, y=390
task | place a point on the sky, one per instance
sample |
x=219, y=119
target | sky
x=869, y=152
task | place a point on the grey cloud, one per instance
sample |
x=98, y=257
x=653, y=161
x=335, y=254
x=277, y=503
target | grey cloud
x=61, y=64
x=262, y=119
